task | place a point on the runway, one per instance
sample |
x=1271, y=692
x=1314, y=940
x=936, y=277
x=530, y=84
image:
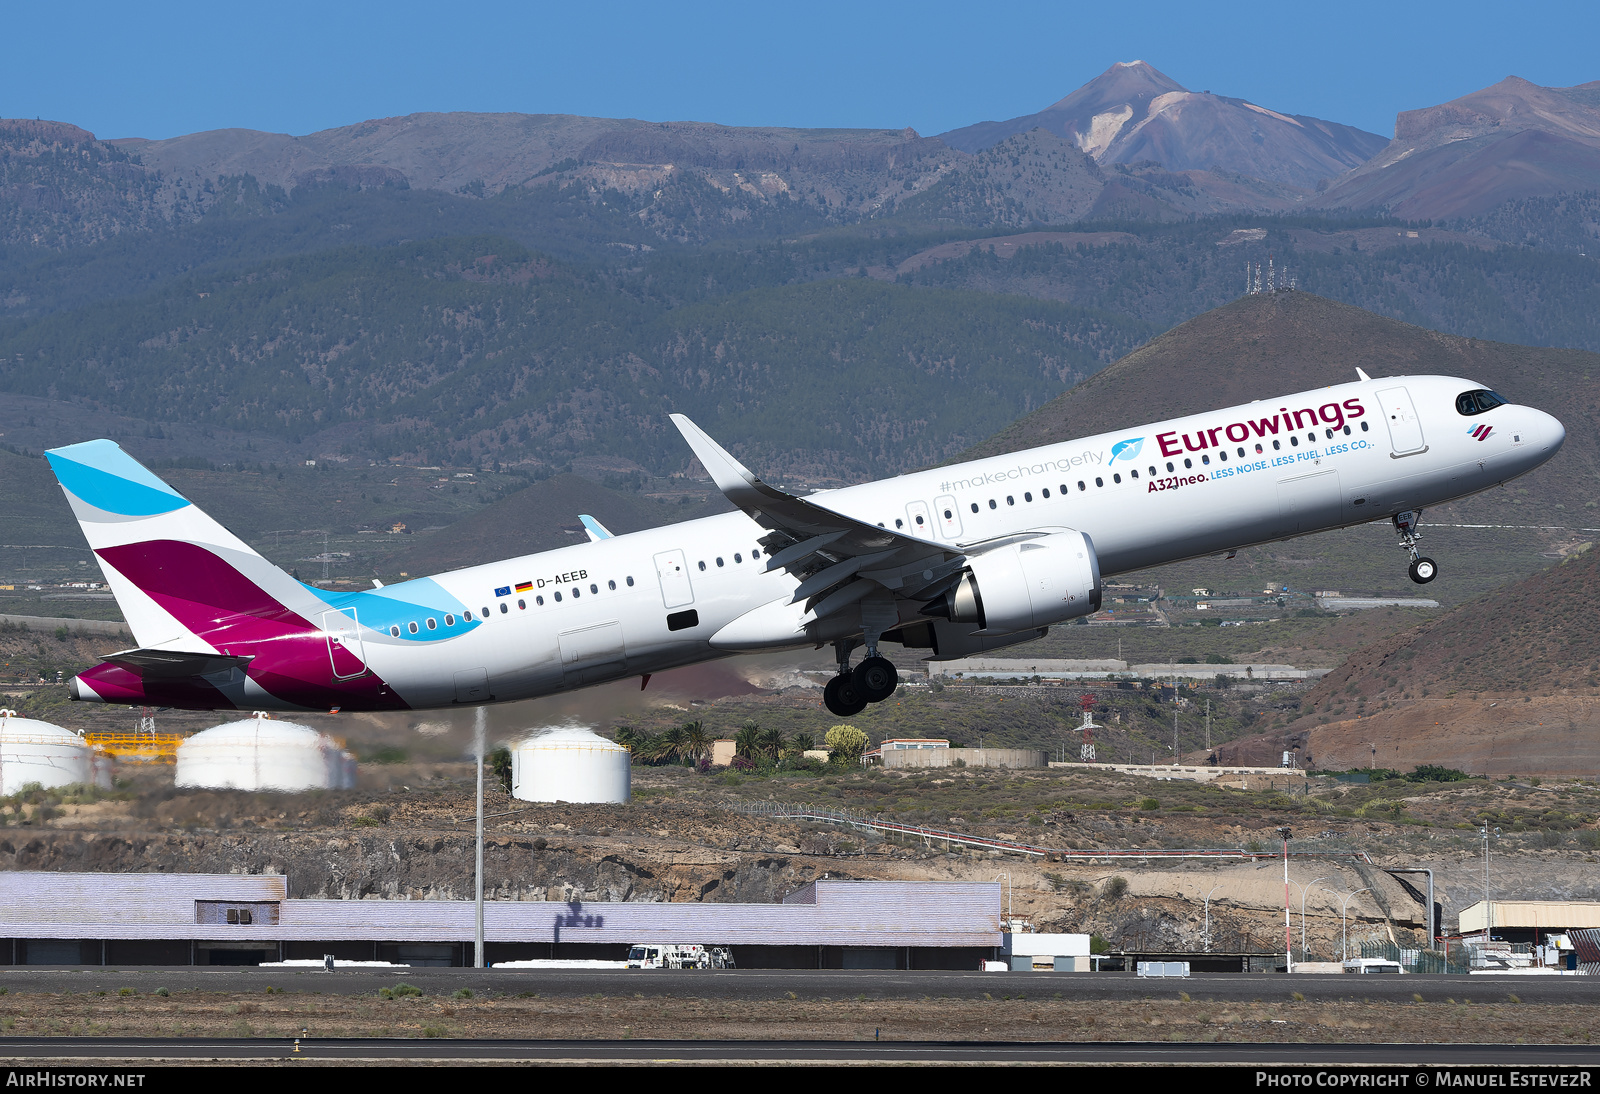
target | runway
x=754, y=984
x=135, y=1051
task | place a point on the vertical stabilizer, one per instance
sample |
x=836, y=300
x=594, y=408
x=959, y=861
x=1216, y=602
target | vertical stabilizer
x=178, y=575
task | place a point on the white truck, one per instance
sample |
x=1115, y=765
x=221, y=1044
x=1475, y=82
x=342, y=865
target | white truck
x=657, y=955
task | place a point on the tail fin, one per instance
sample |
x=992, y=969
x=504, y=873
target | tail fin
x=179, y=577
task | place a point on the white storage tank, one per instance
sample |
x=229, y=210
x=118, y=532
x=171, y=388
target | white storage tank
x=32, y=751
x=570, y=764
x=260, y=753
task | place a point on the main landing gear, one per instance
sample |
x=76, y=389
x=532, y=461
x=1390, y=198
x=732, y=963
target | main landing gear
x=872, y=681
x=1423, y=569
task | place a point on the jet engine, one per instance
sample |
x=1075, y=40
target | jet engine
x=1026, y=585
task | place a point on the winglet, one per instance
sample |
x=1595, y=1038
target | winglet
x=596, y=530
x=1362, y=373
x=732, y=477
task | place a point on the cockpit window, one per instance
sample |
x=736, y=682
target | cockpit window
x=1477, y=402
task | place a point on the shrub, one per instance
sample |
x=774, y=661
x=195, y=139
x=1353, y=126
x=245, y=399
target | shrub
x=1116, y=887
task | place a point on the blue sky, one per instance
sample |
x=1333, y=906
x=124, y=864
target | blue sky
x=159, y=70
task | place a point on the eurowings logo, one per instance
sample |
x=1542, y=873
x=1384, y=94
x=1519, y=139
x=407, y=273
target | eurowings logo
x=1126, y=450
x=1481, y=432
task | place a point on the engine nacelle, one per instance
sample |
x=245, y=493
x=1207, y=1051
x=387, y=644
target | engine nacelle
x=1023, y=586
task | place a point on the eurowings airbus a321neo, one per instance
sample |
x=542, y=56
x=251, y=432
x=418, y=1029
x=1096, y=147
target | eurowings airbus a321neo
x=954, y=561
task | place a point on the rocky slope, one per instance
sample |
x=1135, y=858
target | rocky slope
x=1514, y=140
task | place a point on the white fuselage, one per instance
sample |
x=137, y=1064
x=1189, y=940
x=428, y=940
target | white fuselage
x=1179, y=489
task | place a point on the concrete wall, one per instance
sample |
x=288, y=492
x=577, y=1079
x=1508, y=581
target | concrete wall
x=972, y=757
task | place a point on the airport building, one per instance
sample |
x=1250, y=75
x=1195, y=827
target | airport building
x=221, y=919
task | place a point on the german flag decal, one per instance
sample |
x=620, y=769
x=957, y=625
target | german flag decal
x=524, y=586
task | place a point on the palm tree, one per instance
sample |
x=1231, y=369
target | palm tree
x=672, y=745
x=696, y=741
x=771, y=743
x=747, y=742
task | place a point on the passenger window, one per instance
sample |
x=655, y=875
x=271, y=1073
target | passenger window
x=486, y=613
x=522, y=604
x=737, y=557
x=558, y=598
x=1134, y=473
x=1081, y=486
x=974, y=507
x=503, y=609
x=1170, y=467
x=1098, y=481
x=432, y=624
x=394, y=632
x=1363, y=427
x=1010, y=500
x=612, y=585
x=992, y=504
x=1276, y=446
x=753, y=554
x=595, y=589
x=1028, y=496
x=1205, y=460
x=1221, y=455
x=1188, y=463
x=450, y=620
x=575, y=594
x=1294, y=441
x=1152, y=472
x=919, y=522
x=1347, y=431
x=898, y=523
x=702, y=567
x=1116, y=478
x=1241, y=453
x=1063, y=489
x=949, y=515
x=719, y=562
x=1045, y=493
x=539, y=600
x=412, y=627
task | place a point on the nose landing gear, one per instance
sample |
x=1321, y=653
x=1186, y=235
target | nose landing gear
x=1422, y=569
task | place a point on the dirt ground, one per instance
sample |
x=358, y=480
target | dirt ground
x=1022, y=1017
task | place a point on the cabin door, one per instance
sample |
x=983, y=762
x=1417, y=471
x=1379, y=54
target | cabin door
x=949, y=516
x=346, y=653
x=673, y=571
x=1405, y=428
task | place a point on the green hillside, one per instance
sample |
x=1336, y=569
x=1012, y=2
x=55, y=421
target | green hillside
x=465, y=350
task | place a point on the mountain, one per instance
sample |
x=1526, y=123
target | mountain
x=1270, y=344
x=476, y=349
x=59, y=187
x=1504, y=684
x=1133, y=113
x=841, y=169
x=1515, y=140
x=1037, y=178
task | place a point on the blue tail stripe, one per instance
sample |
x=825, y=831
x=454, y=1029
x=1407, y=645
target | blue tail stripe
x=103, y=475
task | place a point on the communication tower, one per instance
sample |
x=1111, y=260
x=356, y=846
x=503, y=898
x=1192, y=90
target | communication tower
x=1086, y=702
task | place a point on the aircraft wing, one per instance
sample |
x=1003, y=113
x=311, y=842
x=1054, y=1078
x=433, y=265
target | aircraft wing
x=839, y=559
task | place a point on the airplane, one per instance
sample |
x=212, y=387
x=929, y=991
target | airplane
x=954, y=561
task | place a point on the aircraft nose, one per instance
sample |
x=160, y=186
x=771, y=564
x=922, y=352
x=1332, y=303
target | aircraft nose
x=1551, y=433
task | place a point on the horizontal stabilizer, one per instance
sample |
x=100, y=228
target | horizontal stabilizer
x=174, y=663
